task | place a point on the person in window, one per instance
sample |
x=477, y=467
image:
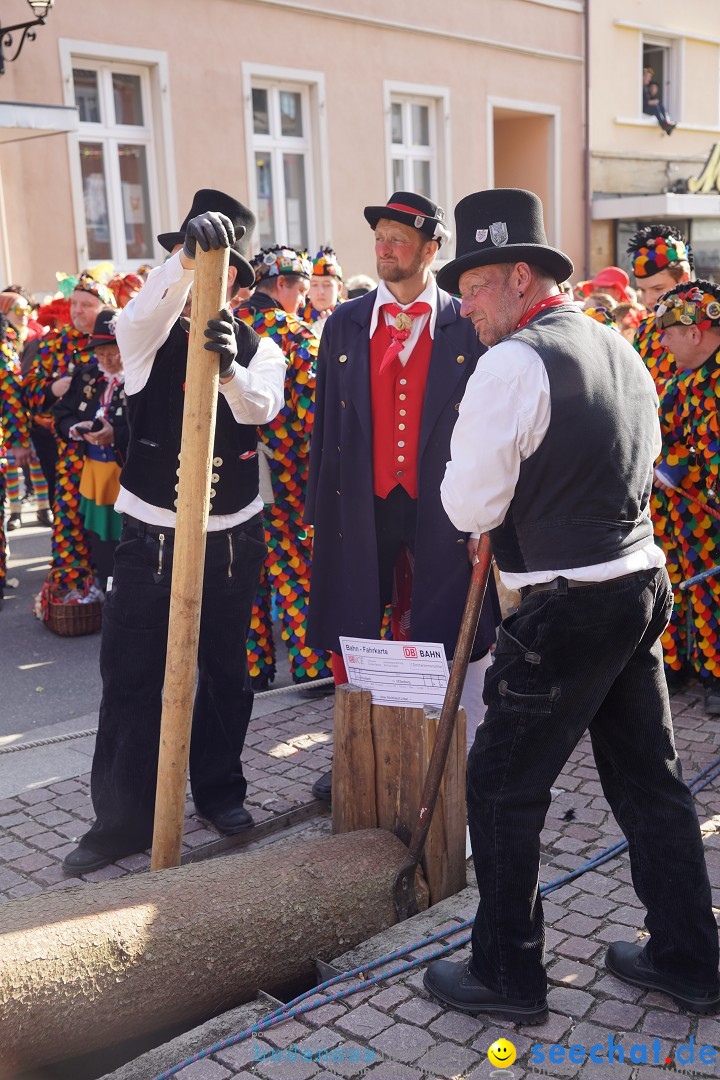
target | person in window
x=282, y=278
x=652, y=103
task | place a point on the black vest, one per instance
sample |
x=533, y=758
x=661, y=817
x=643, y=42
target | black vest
x=155, y=414
x=583, y=497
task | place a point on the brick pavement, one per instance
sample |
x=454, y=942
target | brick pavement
x=393, y=1031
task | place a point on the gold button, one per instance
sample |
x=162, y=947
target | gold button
x=340, y=535
x=342, y=404
x=217, y=462
x=342, y=359
x=402, y=396
x=177, y=487
x=214, y=477
x=175, y=503
x=401, y=427
x=457, y=406
x=461, y=359
x=337, y=492
x=400, y=457
x=213, y=493
x=403, y=412
x=177, y=472
x=403, y=382
x=461, y=541
x=399, y=472
x=401, y=443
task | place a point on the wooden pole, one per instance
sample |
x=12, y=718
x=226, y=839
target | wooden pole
x=198, y=434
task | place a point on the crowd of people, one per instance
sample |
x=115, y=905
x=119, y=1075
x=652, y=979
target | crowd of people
x=367, y=435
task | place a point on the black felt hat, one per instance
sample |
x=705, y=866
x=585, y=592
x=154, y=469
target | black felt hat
x=104, y=328
x=243, y=221
x=501, y=225
x=413, y=210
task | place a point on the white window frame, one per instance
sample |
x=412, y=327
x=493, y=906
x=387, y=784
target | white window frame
x=674, y=76
x=553, y=212
x=313, y=144
x=155, y=135
x=438, y=99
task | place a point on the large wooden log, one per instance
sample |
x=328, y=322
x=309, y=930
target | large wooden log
x=84, y=968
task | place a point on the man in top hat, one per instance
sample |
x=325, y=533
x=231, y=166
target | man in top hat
x=153, y=340
x=282, y=276
x=324, y=293
x=561, y=484
x=662, y=259
x=58, y=355
x=392, y=369
x=688, y=320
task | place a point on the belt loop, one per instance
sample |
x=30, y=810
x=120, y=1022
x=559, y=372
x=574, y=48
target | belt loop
x=141, y=530
x=562, y=586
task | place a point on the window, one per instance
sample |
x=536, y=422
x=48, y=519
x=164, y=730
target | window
x=116, y=161
x=282, y=150
x=659, y=55
x=413, y=145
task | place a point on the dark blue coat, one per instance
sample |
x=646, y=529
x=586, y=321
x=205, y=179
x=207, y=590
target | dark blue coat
x=344, y=586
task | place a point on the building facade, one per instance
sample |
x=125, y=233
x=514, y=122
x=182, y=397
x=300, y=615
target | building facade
x=639, y=173
x=304, y=111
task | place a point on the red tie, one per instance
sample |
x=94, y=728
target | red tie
x=400, y=332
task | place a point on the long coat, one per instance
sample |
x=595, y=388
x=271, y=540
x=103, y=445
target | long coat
x=344, y=585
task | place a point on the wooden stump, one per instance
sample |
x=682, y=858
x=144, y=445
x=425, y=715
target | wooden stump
x=380, y=758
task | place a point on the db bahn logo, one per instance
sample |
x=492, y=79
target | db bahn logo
x=410, y=652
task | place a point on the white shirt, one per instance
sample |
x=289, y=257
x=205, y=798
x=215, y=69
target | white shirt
x=427, y=296
x=503, y=418
x=255, y=394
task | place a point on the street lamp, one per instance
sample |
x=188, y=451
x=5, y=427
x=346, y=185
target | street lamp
x=40, y=10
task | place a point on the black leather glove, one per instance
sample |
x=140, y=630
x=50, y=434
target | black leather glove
x=222, y=340
x=209, y=230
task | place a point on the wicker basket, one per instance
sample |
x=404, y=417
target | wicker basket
x=69, y=620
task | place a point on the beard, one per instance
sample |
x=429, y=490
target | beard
x=394, y=272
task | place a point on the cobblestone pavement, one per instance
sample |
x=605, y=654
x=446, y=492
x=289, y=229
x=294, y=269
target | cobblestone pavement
x=394, y=1031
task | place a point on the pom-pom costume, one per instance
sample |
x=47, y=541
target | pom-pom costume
x=61, y=353
x=689, y=418
x=14, y=431
x=653, y=249
x=286, y=440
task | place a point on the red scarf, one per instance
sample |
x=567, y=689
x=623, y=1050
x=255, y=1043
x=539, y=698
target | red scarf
x=400, y=331
x=548, y=302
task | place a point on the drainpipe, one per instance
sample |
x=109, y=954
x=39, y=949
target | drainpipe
x=587, y=181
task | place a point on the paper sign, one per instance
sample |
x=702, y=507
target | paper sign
x=410, y=673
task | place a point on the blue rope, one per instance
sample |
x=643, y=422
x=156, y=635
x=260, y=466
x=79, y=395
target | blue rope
x=296, y=1008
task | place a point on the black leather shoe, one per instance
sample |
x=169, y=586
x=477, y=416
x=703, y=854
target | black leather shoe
x=322, y=788
x=83, y=861
x=13, y=522
x=44, y=517
x=232, y=821
x=454, y=984
x=627, y=961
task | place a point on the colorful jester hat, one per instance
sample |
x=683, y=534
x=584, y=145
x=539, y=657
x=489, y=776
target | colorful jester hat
x=281, y=260
x=325, y=264
x=693, y=303
x=656, y=247
x=601, y=315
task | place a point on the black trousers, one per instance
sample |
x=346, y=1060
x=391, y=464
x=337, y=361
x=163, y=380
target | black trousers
x=569, y=661
x=395, y=526
x=132, y=665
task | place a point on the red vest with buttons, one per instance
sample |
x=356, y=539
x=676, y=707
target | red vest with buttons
x=397, y=404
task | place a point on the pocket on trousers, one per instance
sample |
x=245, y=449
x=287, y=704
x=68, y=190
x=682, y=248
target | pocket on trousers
x=535, y=704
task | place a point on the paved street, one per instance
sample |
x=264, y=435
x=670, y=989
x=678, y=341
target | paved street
x=411, y=1037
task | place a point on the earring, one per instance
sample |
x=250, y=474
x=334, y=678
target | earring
x=521, y=294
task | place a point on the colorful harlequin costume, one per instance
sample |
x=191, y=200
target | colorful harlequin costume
x=601, y=315
x=656, y=248
x=59, y=354
x=286, y=442
x=325, y=264
x=689, y=416
x=14, y=429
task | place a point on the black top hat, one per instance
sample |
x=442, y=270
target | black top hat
x=104, y=329
x=413, y=210
x=501, y=225
x=208, y=199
